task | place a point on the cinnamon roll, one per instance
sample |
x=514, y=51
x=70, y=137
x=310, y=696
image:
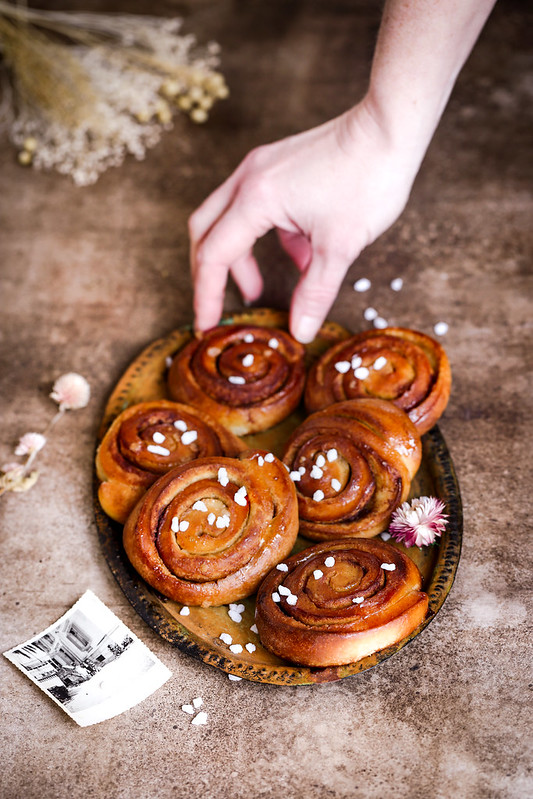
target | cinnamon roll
x=246, y=377
x=207, y=532
x=352, y=465
x=149, y=439
x=338, y=602
x=403, y=366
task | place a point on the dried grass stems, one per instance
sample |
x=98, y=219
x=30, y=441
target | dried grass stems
x=82, y=91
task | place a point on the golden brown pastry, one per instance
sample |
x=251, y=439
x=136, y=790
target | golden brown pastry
x=149, y=439
x=352, y=465
x=246, y=377
x=338, y=602
x=207, y=532
x=404, y=366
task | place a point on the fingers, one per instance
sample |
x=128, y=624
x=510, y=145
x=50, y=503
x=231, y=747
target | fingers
x=227, y=245
x=297, y=246
x=315, y=294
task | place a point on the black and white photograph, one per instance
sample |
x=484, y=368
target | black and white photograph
x=89, y=663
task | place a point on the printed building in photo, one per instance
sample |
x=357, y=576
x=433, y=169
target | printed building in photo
x=71, y=654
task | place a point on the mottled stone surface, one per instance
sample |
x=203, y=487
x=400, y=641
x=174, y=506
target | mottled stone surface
x=88, y=277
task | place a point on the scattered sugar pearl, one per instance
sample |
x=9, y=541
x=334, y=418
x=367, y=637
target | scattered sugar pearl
x=282, y=567
x=226, y=638
x=184, y=525
x=283, y=590
x=385, y=536
x=236, y=649
x=249, y=338
x=370, y=314
x=316, y=472
x=234, y=616
x=222, y=522
x=188, y=437
x=234, y=678
x=200, y=505
x=188, y=709
x=250, y=648
x=295, y=476
x=356, y=361
x=240, y=496
x=168, y=361
x=260, y=460
x=329, y=561
x=358, y=600
x=211, y=518
x=380, y=323
x=320, y=461
x=318, y=496
x=336, y=484
x=200, y=718
x=276, y=597
x=342, y=367
x=332, y=455
x=273, y=343
x=441, y=328
x=179, y=424
x=389, y=567
x=269, y=457
x=361, y=373
x=223, y=478
x=292, y=599
x=317, y=574
x=396, y=284
x=185, y=611
x=175, y=524
x=236, y=380
x=301, y=469
x=363, y=284
x=254, y=629
x=237, y=606
x=248, y=360
x=158, y=437
x=157, y=450
x=197, y=702
x=379, y=363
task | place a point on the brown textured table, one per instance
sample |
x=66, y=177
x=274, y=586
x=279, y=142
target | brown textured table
x=90, y=276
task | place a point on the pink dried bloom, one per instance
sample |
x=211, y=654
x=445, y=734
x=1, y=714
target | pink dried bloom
x=13, y=469
x=71, y=391
x=419, y=522
x=30, y=443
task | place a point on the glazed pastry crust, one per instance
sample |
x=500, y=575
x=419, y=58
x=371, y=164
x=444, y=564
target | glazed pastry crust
x=246, y=377
x=208, y=563
x=325, y=627
x=361, y=455
x=125, y=466
x=415, y=374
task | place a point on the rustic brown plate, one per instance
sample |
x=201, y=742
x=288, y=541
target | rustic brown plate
x=198, y=633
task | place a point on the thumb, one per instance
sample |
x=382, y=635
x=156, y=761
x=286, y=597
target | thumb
x=315, y=294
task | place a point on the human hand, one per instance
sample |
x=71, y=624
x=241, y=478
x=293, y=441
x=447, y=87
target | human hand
x=329, y=192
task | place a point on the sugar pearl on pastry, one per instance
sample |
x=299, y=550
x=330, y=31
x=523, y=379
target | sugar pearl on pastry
x=389, y=567
x=356, y=361
x=240, y=496
x=158, y=437
x=317, y=574
x=292, y=599
x=236, y=649
x=336, y=485
x=320, y=461
x=361, y=373
x=179, y=424
x=318, y=496
x=295, y=476
x=248, y=360
x=157, y=450
x=358, y=600
x=254, y=629
x=250, y=648
x=332, y=455
x=226, y=638
x=329, y=561
x=283, y=590
x=237, y=380
x=223, y=478
x=273, y=343
x=200, y=505
x=316, y=472
x=379, y=363
x=269, y=457
x=342, y=367
x=189, y=437
x=282, y=567
x=276, y=597
x=249, y=338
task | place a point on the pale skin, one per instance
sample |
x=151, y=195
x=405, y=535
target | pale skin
x=329, y=192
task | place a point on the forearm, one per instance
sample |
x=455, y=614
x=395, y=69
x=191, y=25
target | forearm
x=421, y=47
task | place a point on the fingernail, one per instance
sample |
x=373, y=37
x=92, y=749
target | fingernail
x=306, y=329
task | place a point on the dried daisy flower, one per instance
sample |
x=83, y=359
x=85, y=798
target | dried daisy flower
x=82, y=91
x=30, y=444
x=419, y=522
x=71, y=391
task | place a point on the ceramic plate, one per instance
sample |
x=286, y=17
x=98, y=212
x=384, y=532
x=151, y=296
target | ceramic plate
x=198, y=633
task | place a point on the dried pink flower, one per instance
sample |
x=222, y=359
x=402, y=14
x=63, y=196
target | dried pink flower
x=71, y=391
x=13, y=469
x=30, y=443
x=419, y=522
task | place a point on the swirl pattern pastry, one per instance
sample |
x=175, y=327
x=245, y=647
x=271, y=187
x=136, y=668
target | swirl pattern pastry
x=149, y=439
x=246, y=377
x=207, y=532
x=338, y=602
x=352, y=465
x=403, y=366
